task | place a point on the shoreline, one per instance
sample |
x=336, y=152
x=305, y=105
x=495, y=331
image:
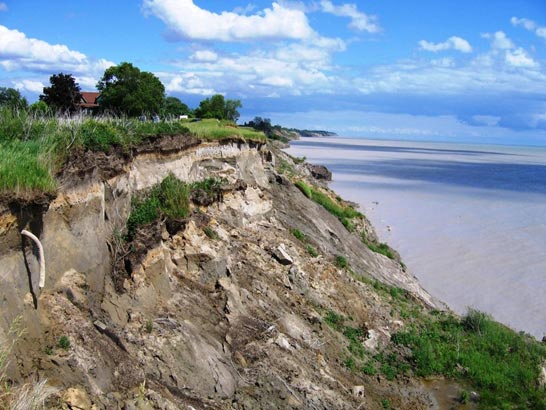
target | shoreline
x=517, y=311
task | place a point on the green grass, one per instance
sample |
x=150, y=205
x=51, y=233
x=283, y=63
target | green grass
x=343, y=212
x=64, y=342
x=381, y=248
x=34, y=147
x=170, y=198
x=501, y=364
x=298, y=234
x=212, y=129
x=341, y=262
x=211, y=233
x=312, y=251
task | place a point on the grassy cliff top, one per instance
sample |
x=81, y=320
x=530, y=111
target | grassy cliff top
x=33, y=149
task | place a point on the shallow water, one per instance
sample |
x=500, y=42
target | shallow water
x=468, y=220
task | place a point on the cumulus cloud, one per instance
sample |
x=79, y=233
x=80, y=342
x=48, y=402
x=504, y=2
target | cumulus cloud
x=32, y=86
x=499, y=41
x=519, y=58
x=187, y=20
x=359, y=21
x=529, y=25
x=452, y=43
x=204, y=55
x=3, y=6
x=17, y=51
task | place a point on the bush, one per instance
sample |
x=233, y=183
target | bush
x=312, y=251
x=298, y=234
x=64, y=342
x=341, y=262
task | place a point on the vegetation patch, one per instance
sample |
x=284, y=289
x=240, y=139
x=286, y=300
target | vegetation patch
x=343, y=212
x=381, y=248
x=501, y=364
x=211, y=233
x=213, y=129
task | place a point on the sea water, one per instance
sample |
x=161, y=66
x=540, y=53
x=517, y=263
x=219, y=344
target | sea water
x=469, y=221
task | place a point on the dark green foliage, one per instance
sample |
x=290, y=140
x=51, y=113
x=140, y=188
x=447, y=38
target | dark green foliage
x=170, y=198
x=381, y=248
x=298, y=234
x=64, y=342
x=174, y=108
x=99, y=135
x=349, y=363
x=211, y=233
x=12, y=99
x=174, y=197
x=261, y=124
x=334, y=320
x=127, y=90
x=386, y=404
x=312, y=251
x=341, y=262
x=218, y=107
x=355, y=336
x=143, y=212
x=343, y=213
x=501, y=364
x=369, y=368
x=64, y=93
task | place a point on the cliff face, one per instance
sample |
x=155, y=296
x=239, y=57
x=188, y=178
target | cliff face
x=226, y=311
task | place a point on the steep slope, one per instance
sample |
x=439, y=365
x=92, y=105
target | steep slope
x=227, y=308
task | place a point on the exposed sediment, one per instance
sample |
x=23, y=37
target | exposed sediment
x=200, y=322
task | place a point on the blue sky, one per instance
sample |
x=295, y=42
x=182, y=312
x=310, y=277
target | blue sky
x=461, y=70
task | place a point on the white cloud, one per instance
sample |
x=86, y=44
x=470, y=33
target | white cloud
x=452, y=43
x=526, y=23
x=529, y=25
x=519, y=58
x=35, y=87
x=187, y=20
x=499, y=40
x=17, y=51
x=3, y=6
x=204, y=55
x=359, y=21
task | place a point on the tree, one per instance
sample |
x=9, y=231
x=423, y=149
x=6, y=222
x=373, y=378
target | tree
x=174, y=107
x=219, y=108
x=127, y=90
x=12, y=98
x=261, y=124
x=64, y=94
x=38, y=108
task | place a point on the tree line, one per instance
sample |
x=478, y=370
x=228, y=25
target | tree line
x=124, y=90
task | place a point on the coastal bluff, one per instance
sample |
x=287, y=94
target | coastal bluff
x=236, y=306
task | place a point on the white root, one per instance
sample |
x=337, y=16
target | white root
x=41, y=284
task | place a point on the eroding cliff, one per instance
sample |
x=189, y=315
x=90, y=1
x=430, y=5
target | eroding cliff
x=230, y=310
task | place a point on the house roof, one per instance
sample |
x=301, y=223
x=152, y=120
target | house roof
x=89, y=99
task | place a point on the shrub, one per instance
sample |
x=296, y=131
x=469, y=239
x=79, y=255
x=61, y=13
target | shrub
x=64, y=342
x=312, y=251
x=298, y=234
x=174, y=197
x=341, y=262
x=334, y=320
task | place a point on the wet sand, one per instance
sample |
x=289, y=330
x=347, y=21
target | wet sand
x=468, y=220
